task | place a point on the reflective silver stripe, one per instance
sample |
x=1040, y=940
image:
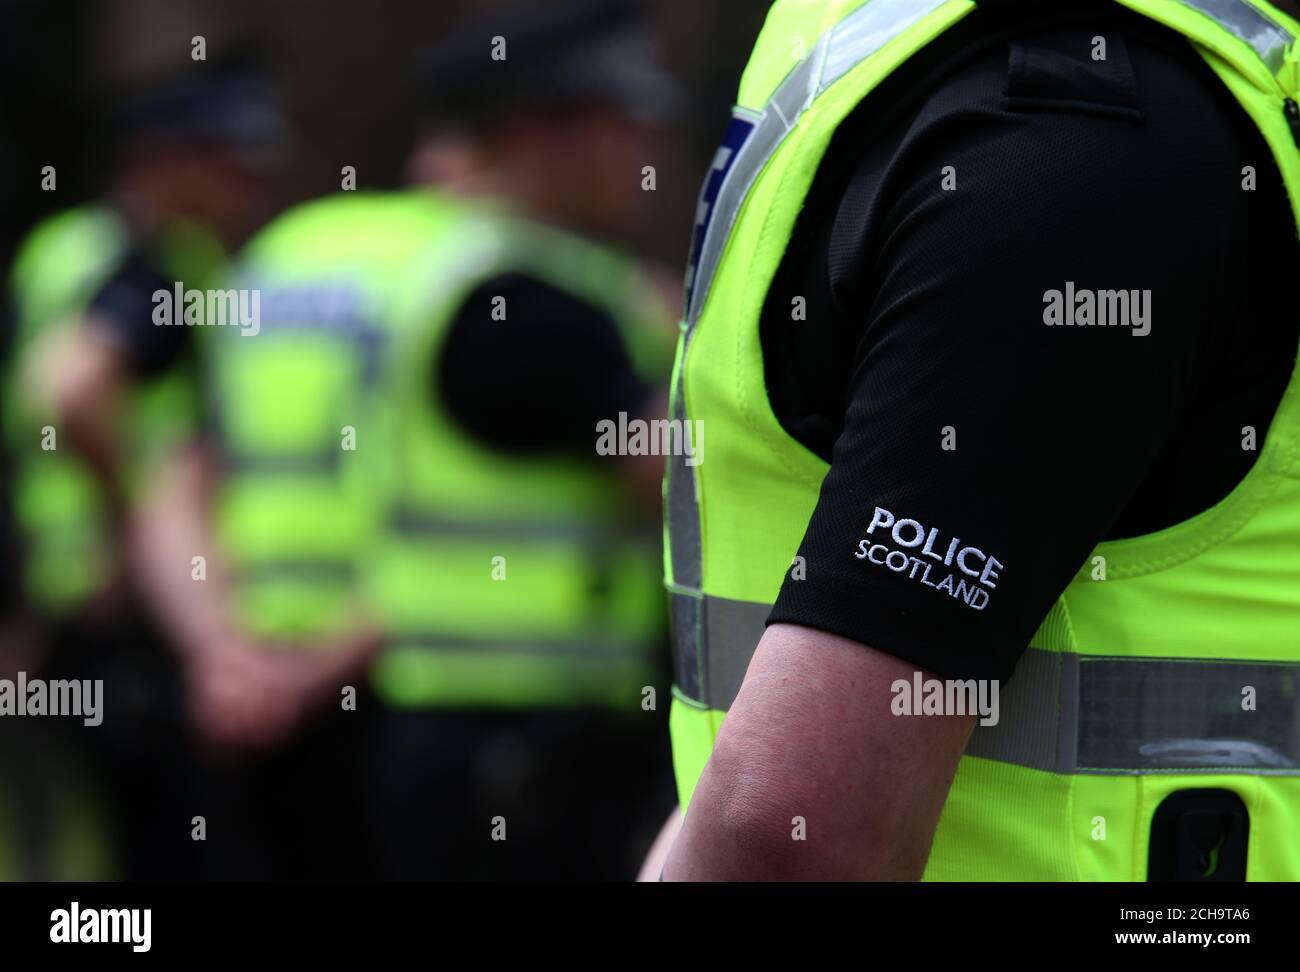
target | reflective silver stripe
x=689, y=645
x=683, y=512
x=416, y=523
x=1156, y=715
x=1037, y=715
x=855, y=38
x=315, y=571
x=718, y=637
x=321, y=463
x=1128, y=716
x=587, y=646
x=1069, y=713
x=1268, y=38
x=866, y=31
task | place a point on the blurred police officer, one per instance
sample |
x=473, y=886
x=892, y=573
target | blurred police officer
x=98, y=393
x=558, y=130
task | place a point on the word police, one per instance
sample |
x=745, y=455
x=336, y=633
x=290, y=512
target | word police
x=907, y=535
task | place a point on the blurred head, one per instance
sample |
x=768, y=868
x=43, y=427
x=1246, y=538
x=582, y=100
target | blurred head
x=561, y=121
x=198, y=145
x=579, y=168
x=211, y=185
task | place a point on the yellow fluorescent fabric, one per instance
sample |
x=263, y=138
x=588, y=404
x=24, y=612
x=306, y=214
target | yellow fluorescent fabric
x=1224, y=585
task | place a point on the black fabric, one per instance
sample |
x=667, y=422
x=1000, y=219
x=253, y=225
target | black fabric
x=925, y=312
x=123, y=309
x=540, y=379
x=581, y=794
x=146, y=774
x=300, y=810
x=10, y=554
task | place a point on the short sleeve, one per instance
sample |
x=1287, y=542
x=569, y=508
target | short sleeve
x=1029, y=334
x=552, y=357
x=123, y=309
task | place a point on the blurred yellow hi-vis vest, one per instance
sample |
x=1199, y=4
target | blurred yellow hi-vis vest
x=1180, y=671
x=60, y=507
x=498, y=580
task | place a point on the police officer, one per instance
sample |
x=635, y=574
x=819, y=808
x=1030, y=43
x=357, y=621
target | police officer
x=97, y=393
x=561, y=127
x=1021, y=573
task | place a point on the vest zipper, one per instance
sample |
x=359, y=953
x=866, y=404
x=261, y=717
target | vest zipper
x=1292, y=112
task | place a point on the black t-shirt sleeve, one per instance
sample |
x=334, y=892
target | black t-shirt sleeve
x=983, y=453
x=123, y=311
x=526, y=367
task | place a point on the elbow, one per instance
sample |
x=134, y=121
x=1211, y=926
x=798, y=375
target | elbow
x=758, y=823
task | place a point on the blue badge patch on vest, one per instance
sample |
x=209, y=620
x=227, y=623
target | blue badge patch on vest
x=738, y=131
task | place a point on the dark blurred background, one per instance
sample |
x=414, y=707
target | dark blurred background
x=91, y=803
x=347, y=88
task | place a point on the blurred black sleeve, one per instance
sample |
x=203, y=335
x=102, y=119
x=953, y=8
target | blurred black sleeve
x=122, y=310
x=541, y=379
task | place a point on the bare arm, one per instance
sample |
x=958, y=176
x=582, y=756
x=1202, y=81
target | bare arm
x=170, y=529
x=811, y=735
x=653, y=864
x=83, y=376
x=241, y=693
